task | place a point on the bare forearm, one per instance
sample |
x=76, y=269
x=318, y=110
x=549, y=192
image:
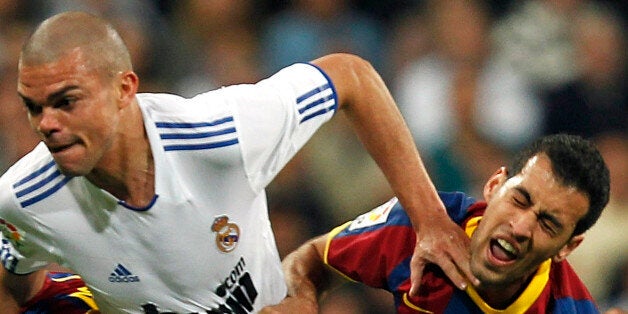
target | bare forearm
x=306, y=274
x=374, y=115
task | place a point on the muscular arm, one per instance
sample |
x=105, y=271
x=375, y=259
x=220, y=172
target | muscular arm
x=374, y=115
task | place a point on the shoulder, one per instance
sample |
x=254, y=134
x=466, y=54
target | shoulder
x=38, y=161
x=459, y=205
x=565, y=281
x=568, y=289
x=24, y=181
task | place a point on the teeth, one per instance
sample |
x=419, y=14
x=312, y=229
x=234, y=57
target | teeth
x=509, y=248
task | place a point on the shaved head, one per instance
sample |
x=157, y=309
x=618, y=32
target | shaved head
x=61, y=34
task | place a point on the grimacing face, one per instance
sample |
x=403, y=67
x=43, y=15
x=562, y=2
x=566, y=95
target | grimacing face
x=72, y=109
x=529, y=219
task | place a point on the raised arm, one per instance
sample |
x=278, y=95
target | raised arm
x=364, y=97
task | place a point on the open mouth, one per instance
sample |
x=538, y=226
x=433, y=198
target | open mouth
x=503, y=250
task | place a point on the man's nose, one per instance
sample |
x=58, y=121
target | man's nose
x=523, y=223
x=48, y=121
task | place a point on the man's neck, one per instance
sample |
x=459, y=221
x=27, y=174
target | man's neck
x=501, y=297
x=128, y=170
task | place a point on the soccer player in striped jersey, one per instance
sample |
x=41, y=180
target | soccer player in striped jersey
x=158, y=201
x=531, y=218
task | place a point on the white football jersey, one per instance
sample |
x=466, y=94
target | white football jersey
x=205, y=244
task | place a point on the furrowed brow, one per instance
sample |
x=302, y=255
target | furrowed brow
x=52, y=97
x=524, y=193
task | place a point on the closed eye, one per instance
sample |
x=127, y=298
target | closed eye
x=550, y=223
x=65, y=102
x=32, y=107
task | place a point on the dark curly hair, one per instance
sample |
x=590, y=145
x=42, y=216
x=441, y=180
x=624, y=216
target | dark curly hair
x=576, y=162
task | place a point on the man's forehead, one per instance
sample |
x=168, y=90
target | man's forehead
x=49, y=59
x=37, y=82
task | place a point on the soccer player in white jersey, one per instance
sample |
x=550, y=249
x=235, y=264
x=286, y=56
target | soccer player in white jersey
x=158, y=201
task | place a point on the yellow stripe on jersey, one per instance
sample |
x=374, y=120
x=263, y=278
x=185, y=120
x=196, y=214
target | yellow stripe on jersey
x=407, y=302
x=84, y=294
x=330, y=236
x=71, y=277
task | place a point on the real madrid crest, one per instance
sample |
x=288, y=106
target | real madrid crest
x=227, y=233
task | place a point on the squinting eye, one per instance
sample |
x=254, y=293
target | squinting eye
x=519, y=202
x=32, y=108
x=65, y=102
x=547, y=226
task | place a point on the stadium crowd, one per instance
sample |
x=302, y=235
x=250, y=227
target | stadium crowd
x=475, y=81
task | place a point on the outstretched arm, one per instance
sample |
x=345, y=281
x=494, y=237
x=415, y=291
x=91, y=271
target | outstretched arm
x=306, y=277
x=374, y=115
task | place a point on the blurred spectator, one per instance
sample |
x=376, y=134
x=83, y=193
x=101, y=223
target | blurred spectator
x=308, y=29
x=605, y=244
x=618, y=297
x=535, y=39
x=409, y=40
x=13, y=120
x=12, y=11
x=466, y=108
x=466, y=95
x=222, y=43
x=596, y=100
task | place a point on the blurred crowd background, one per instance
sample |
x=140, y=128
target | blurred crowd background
x=475, y=81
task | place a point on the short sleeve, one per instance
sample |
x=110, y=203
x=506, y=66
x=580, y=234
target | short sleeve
x=374, y=247
x=278, y=115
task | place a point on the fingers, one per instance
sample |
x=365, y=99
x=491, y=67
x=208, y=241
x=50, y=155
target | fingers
x=462, y=267
x=449, y=250
x=452, y=272
x=456, y=263
x=417, y=265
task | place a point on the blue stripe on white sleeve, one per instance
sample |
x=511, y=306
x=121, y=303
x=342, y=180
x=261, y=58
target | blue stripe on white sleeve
x=316, y=102
x=179, y=136
x=40, y=184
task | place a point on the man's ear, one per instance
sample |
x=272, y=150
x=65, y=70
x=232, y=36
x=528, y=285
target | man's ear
x=128, y=84
x=494, y=182
x=573, y=243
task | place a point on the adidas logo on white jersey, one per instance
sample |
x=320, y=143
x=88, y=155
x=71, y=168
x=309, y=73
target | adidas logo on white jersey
x=121, y=274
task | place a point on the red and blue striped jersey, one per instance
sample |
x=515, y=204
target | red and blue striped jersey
x=62, y=293
x=376, y=249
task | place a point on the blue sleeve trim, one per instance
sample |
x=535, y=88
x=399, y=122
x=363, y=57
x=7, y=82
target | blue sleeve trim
x=331, y=85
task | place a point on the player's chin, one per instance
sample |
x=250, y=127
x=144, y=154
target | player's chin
x=73, y=167
x=71, y=171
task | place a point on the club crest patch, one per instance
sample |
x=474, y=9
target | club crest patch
x=227, y=233
x=376, y=216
